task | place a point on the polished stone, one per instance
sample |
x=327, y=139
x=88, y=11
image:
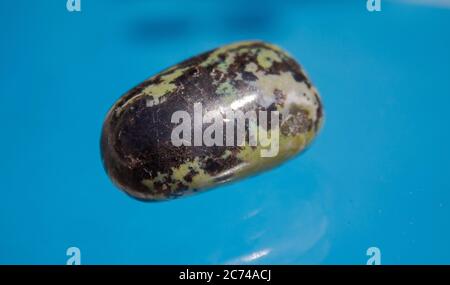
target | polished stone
x=214, y=118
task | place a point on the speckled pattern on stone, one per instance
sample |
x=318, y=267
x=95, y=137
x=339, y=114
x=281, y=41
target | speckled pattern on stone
x=136, y=146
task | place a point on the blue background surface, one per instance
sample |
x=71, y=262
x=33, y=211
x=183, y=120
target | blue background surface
x=377, y=175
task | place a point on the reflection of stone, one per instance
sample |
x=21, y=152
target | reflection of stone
x=284, y=241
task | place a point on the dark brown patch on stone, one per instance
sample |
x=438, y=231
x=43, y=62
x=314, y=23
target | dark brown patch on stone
x=248, y=76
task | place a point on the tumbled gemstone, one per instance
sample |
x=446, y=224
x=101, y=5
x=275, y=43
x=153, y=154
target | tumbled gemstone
x=222, y=115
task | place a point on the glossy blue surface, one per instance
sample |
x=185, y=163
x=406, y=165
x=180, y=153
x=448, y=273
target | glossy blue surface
x=377, y=175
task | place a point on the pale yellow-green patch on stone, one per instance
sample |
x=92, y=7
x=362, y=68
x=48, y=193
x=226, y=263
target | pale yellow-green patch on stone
x=289, y=146
x=266, y=57
x=309, y=136
x=180, y=172
x=199, y=180
x=226, y=154
x=297, y=93
x=226, y=89
x=214, y=56
x=251, y=67
x=157, y=91
x=160, y=177
x=227, y=92
x=149, y=183
x=224, y=65
x=165, y=86
x=202, y=180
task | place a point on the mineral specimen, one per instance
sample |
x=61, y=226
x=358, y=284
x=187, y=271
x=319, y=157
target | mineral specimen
x=217, y=117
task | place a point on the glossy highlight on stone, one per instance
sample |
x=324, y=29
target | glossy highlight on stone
x=137, y=145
